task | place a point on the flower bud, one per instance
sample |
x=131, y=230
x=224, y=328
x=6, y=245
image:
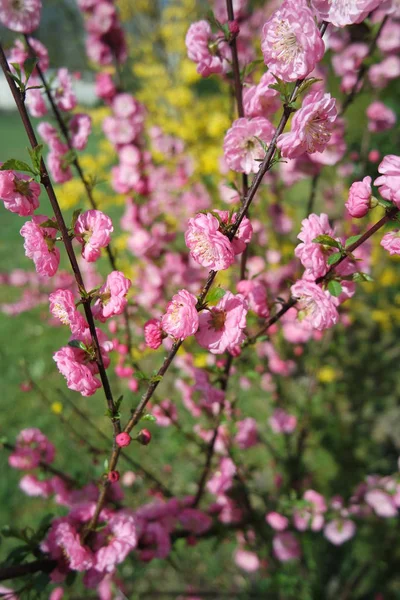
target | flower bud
x=144, y=437
x=113, y=476
x=123, y=439
x=233, y=27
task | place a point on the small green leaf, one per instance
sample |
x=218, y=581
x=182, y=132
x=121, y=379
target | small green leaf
x=77, y=344
x=118, y=403
x=75, y=216
x=360, y=277
x=149, y=417
x=262, y=144
x=17, y=69
x=352, y=239
x=29, y=65
x=140, y=375
x=334, y=288
x=334, y=258
x=16, y=165
x=155, y=378
x=49, y=223
x=36, y=157
x=106, y=464
x=326, y=240
x=215, y=295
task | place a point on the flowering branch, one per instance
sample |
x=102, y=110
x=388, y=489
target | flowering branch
x=46, y=182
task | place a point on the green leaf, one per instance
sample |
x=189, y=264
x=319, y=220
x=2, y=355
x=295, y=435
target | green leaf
x=49, y=223
x=307, y=83
x=155, y=378
x=77, y=344
x=326, y=240
x=29, y=65
x=36, y=157
x=215, y=295
x=351, y=240
x=334, y=288
x=16, y=165
x=140, y=375
x=262, y=144
x=118, y=403
x=75, y=216
x=17, y=69
x=360, y=277
x=334, y=258
x=149, y=417
x=106, y=464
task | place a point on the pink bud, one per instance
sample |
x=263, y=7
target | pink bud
x=113, y=476
x=144, y=437
x=133, y=385
x=234, y=27
x=123, y=439
x=374, y=156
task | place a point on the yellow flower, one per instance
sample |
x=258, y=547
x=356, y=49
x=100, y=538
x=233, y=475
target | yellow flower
x=57, y=408
x=326, y=374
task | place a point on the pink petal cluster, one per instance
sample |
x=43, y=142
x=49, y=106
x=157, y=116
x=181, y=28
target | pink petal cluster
x=221, y=327
x=123, y=533
x=311, y=127
x=242, y=150
x=359, y=200
x=181, y=318
x=93, y=230
x=311, y=517
x=80, y=127
x=39, y=245
x=347, y=63
x=79, y=366
x=382, y=503
x=19, y=194
x=208, y=246
x=341, y=12
x=111, y=297
x=286, y=546
x=64, y=94
x=244, y=233
x=62, y=307
x=277, y=521
x=256, y=295
x=22, y=16
x=315, y=306
x=391, y=242
x=31, y=448
x=105, y=42
x=247, y=435
x=63, y=540
x=389, y=181
x=291, y=42
x=261, y=100
x=282, y=422
x=380, y=117
x=209, y=52
x=339, y=531
x=126, y=124
x=222, y=479
x=313, y=256
x=153, y=333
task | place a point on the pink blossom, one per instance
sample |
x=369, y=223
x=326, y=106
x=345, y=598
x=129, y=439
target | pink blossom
x=31, y=448
x=277, y=521
x=380, y=117
x=311, y=126
x=111, y=297
x=348, y=62
x=59, y=162
x=222, y=480
x=93, y=230
x=64, y=94
x=78, y=375
x=32, y=486
x=285, y=546
x=124, y=532
x=221, y=327
x=247, y=435
x=119, y=131
x=105, y=87
x=154, y=542
x=62, y=306
x=19, y=194
x=80, y=127
x=341, y=12
x=242, y=150
x=165, y=412
x=389, y=40
x=290, y=42
x=56, y=594
x=181, y=318
x=34, y=100
x=313, y=256
x=22, y=16
x=246, y=560
x=204, y=48
x=359, y=201
x=256, y=295
x=208, y=246
x=339, y=531
x=153, y=333
x=389, y=181
x=391, y=242
x=313, y=516
x=195, y=521
x=102, y=18
x=63, y=540
x=244, y=233
x=7, y=593
x=381, y=73
x=261, y=100
x=282, y=422
x=39, y=245
x=315, y=305
x=382, y=503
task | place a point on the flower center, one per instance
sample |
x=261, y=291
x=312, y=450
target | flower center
x=286, y=45
x=316, y=132
x=22, y=187
x=17, y=4
x=217, y=319
x=61, y=313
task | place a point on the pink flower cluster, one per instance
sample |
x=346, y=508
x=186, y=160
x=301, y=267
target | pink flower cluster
x=40, y=246
x=111, y=297
x=210, y=52
x=93, y=230
x=243, y=150
x=222, y=327
x=22, y=16
x=19, y=193
x=291, y=43
x=31, y=449
x=105, y=41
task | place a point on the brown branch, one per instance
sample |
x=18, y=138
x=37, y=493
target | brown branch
x=46, y=182
x=13, y=571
